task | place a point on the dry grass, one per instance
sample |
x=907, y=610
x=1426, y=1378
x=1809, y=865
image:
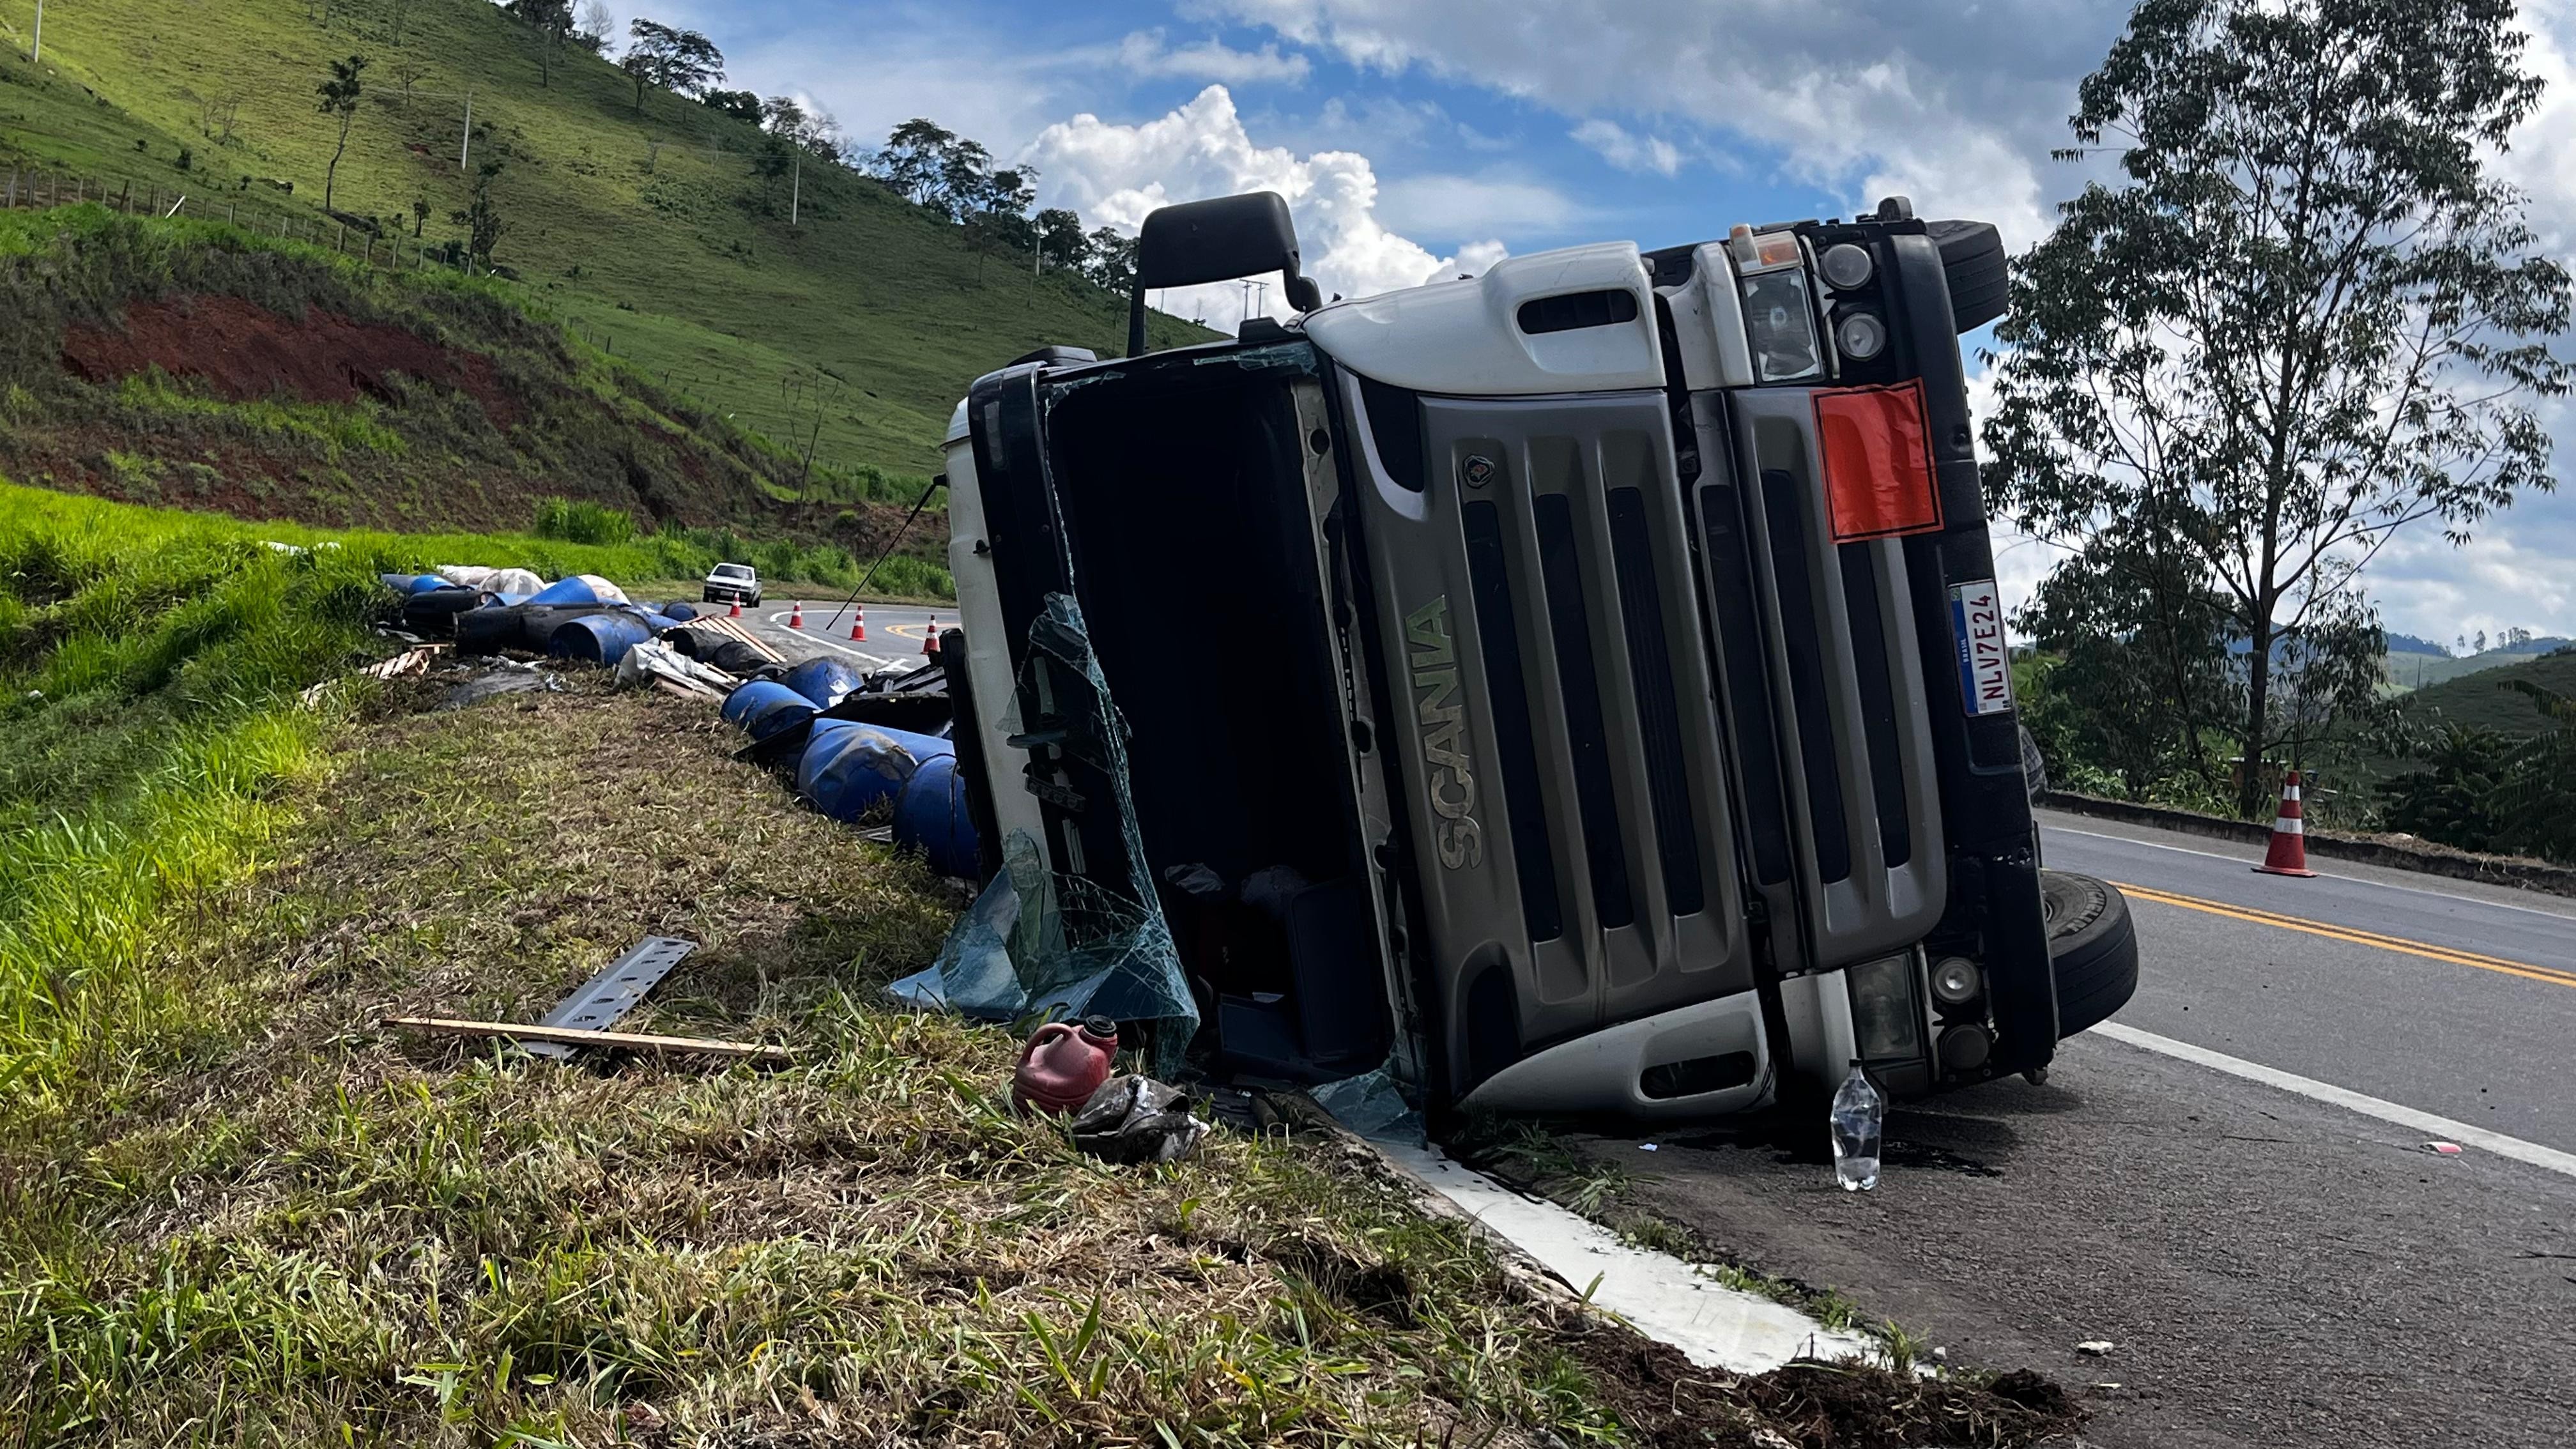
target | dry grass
x=312, y=1228
x=309, y=1230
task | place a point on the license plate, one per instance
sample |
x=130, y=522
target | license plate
x=1985, y=666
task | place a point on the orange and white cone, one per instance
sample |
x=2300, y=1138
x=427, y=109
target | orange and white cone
x=2288, y=854
x=859, y=626
x=796, y=615
x=736, y=611
x=930, y=641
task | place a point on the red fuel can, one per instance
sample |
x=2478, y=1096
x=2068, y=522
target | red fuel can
x=1063, y=1064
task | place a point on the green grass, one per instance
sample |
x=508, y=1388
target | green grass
x=151, y=661
x=2423, y=671
x=2483, y=701
x=649, y=231
x=236, y=1208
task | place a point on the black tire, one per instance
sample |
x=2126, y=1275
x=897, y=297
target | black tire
x=1972, y=260
x=2093, y=945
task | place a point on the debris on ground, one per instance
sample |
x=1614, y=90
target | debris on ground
x=1134, y=1118
x=1062, y=1064
x=651, y=663
x=2447, y=1149
x=1064, y=945
x=498, y=678
x=2094, y=1347
x=617, y=988
x=606, y=1040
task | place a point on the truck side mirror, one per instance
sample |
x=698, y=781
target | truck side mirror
x=1217, y=240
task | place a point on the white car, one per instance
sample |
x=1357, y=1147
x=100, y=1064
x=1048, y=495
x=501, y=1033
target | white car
x=732, y=583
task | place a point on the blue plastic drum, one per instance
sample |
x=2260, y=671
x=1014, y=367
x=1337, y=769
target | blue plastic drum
x=931, y=816
x=823, y=680
x=848, y=767
x=574, y=590
x=764, y=707
x=598, y=638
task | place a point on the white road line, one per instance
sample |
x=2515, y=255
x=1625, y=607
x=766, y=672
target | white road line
x=811, y=637
x=2441, y=1128
x=2321, y=875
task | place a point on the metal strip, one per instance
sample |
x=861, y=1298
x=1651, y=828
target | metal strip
x=615, y=991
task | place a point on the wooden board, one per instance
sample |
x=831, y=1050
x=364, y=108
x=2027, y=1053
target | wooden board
x=575, y=1036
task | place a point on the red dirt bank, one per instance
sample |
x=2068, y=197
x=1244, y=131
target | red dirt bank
x=246, y=353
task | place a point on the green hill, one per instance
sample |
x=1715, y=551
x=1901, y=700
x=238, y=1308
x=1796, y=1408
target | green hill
x=2482, y=700
x=2423, y=671
x=648, y=230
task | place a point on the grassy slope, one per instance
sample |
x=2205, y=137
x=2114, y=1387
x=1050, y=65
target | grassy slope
x=233, y=1208
x=610, y=211
x=2423, y=671
x=2482, y=701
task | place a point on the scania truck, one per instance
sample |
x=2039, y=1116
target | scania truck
x=1581, y=687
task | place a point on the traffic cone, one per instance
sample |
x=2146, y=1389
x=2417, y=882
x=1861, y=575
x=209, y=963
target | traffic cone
x=736, y=611
x=796, y=615
x=859, y=626
x=930, y=641
x=2288, y=854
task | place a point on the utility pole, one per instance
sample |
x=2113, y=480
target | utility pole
x=36, y=52
x=466, y=153
x=796, y=188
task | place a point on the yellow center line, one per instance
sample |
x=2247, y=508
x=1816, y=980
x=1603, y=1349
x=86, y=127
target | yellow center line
x=2355, y=937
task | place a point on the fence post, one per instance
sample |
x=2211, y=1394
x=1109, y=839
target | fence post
x=13, y=187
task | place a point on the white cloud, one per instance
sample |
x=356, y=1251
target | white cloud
x=1954, y=104
x=1628, y=151
x=1456, y=206
x=1115, y=174
x=1144, y=53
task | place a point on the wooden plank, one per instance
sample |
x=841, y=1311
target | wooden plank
x=574, y=1036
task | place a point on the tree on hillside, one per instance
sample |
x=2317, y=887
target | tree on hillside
x=913, y=160
x=741, y=105
x=481, y=218
x=409, y=73
x=596, y=29
x=1061, y=243
x=552, y=20
x=339, y=93
x=809, y=127
x=2303, y=318
x=676, y=60
x=1112, y=264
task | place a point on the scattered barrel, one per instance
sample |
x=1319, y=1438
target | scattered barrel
x=930, y=816
x=597, y=638
x=823, y=680
x=764, y=707
x=848, y=768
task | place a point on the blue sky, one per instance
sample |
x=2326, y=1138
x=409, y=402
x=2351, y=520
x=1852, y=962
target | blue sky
x=1418, y=135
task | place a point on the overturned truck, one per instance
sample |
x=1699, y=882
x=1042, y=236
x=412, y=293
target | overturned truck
x=1581, y=687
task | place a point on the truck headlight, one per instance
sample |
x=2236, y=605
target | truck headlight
x=1884, y=1022
x=1780, y=320
x=1860, y=336
x=1955, y=981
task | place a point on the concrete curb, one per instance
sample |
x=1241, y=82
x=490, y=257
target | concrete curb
x=2532, y=875
x=1568, y=1264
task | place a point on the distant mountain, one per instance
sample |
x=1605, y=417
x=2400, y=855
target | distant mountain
x=2409, y=644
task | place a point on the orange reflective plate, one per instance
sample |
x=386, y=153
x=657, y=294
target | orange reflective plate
x=1878, y=461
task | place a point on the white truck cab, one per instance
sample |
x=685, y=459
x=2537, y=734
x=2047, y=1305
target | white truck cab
x=1581, y=687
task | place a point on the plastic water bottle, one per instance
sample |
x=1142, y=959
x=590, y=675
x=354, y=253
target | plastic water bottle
x=1858, y=1111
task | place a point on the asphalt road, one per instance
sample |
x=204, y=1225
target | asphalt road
x=895, y=631
x=2274, y=1269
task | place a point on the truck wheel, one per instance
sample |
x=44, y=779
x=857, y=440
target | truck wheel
x=2093, y=945
x=1972, y=261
